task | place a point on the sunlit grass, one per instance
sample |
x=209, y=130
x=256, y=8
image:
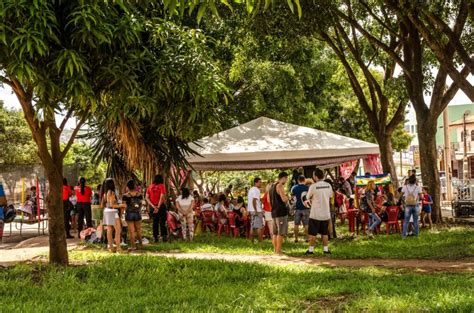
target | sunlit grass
x=154, y=284
x=445, y=243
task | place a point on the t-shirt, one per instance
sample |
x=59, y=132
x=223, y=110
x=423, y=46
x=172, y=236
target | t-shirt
x=185, y=204
x=155, y=191
x=369, y=196
x=279, y=208
x=300, y=191
x=427, y=199
x=254, y=193
x=412, y=190
x=320, y=194
x=133, y=202
x=267, y=207
x=66, y=192
x=83, y=198
x=207, y=207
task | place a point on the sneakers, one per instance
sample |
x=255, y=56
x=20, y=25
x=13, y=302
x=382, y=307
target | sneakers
x=327, y=252
x=308, y=252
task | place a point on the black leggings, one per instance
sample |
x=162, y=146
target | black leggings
x=159, y=223
x=83, y=209
x=67, y=216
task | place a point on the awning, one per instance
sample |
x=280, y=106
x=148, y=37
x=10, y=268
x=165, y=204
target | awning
x=267, y=144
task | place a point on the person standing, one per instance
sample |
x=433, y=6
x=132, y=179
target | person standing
x=156, y=198
x=111, y=214
x=300, y=191
x=255, y=210
x=83, y=197
x=185, y=205
x=412, y=193
x=267, y=210
x=133, y=198
x=368, y=205
x=319, y=197
x=426, y=210
x=279, y=203
x=67, y=206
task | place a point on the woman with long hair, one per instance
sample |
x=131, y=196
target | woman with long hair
x=111, y=214
x=83, y=206
x=185, y=205
x=369, y=207
x=133, y=198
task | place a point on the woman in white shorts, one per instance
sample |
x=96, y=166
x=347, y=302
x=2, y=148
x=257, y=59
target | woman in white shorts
x=267, y=208
x=111, y=215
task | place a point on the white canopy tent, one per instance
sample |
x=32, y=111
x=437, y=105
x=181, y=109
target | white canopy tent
x=268, y=144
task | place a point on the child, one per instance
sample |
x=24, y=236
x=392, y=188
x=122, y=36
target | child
x=206, y=205
x=426, y=211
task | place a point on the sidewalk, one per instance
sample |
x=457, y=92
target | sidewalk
x=27, y=250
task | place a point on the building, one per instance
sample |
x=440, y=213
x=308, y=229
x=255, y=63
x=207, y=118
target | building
x=455, y=117
x=463, y=147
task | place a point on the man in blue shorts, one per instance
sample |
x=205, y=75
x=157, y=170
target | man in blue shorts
x=299, y=191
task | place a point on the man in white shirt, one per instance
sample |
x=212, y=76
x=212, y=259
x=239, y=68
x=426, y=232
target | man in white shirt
x=255, y=210
x=319, y=197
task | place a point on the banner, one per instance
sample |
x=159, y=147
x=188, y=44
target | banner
x=347, y=168
x=372, y=164
x=381, y=179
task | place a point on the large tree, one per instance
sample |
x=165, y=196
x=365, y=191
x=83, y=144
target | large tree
x=85, y=59
x=417, y=63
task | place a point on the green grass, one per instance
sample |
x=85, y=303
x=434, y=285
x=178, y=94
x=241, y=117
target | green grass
x=154, y=284
x=446, y=243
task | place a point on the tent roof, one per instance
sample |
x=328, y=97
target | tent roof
x=265, y=143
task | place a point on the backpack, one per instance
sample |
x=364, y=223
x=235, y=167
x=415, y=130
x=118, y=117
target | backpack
x=410, y=198
x=135, y=204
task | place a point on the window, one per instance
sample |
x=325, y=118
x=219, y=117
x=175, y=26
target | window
x=472, y=135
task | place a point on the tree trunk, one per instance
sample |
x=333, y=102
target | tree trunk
x=386, y=156
x=57, y=234
x=429, y=159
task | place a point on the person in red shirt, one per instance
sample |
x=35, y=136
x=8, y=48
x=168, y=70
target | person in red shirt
x=67, y=191
x=83, y=196
x=156, y=198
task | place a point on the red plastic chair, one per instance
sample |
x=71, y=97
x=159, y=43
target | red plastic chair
x=231, y=216
x=392, y=212
x=224, y=227
x=351, y=216
x=208, y=220
x=364, y=222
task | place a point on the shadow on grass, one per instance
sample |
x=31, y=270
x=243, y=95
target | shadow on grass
x=145, y=283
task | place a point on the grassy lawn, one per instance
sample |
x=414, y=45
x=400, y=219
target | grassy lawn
x=445, y=243
x=153, y=284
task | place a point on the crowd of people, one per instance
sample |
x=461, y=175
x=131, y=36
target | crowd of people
x=316, y=203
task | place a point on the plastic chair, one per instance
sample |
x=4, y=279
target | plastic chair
x=392, y=212
x=231, y=216
x=208, y=220
x=365, y=222
x=224, y=227
x=351, y=216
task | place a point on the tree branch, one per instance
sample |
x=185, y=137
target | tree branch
x=64, y=121
x=73, y=135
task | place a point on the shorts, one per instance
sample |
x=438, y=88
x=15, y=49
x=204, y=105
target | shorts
x=133, y=216
x=268, y=216
x=318, y=227
x=110, y=215
x=256, y=220
x=427, y=209
x=280, y=226
x=302, y=216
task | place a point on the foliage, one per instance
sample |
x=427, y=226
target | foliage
x=147, y=283
x=16, y=145
x=81, y=154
